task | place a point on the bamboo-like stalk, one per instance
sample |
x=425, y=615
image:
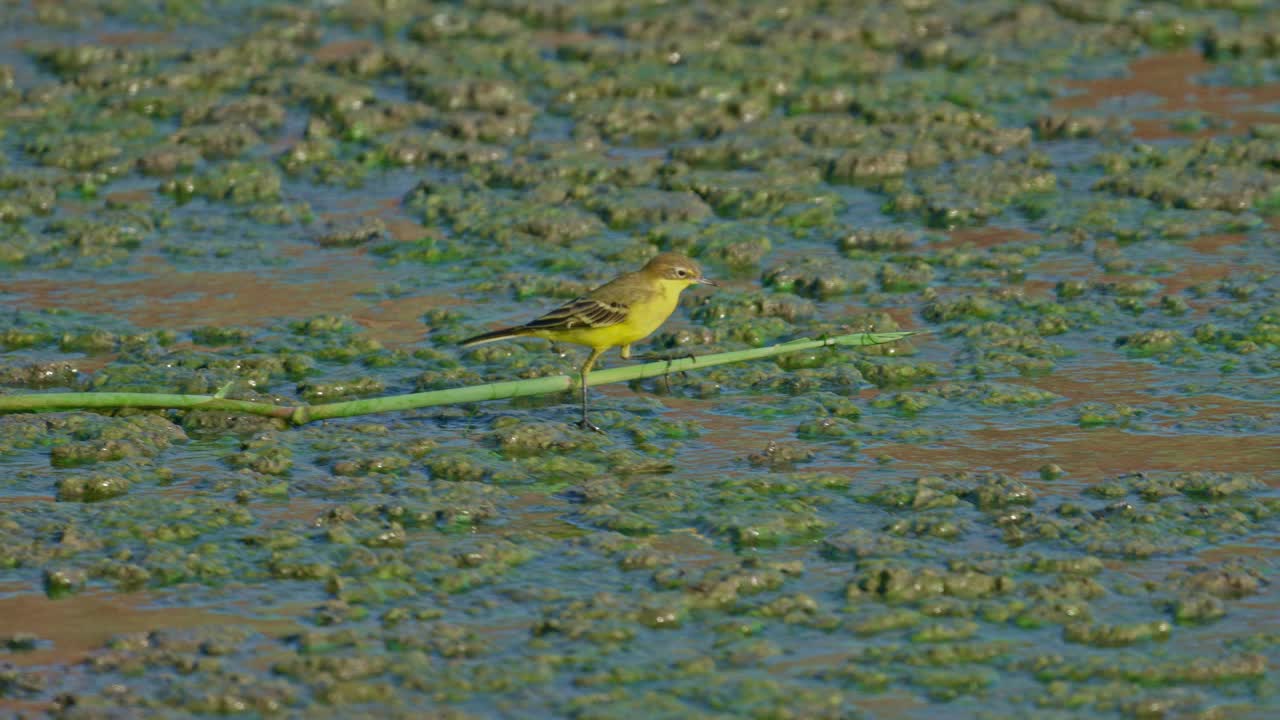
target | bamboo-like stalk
x=37, y=402
x=302, y=414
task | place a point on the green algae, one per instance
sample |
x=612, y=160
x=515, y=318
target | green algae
x=91, y=489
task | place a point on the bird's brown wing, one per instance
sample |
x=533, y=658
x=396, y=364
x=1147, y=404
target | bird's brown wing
x=584, y=312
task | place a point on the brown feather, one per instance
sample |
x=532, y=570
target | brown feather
x=582, y=312
x=494, y=336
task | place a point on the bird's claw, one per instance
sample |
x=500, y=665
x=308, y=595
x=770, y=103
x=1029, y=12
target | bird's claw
x=666, y=357
x=586, y=424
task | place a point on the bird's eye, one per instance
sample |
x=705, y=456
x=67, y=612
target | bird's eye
x=680, y=272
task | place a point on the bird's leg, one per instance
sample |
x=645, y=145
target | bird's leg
x=586, y=424
x=625, y=351
x=683, y=374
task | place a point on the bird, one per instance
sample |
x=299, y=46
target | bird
x=623, y=311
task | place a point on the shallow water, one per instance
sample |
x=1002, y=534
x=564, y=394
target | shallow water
x=1060, y=502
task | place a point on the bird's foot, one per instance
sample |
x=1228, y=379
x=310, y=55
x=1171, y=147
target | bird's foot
x=666, y=357
x=586, y=424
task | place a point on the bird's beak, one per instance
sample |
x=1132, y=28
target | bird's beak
x=705, y=281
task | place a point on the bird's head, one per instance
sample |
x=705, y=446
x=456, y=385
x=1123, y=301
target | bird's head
x=676, y=269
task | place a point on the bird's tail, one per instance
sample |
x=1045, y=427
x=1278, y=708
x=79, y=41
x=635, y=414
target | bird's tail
x=494, y=336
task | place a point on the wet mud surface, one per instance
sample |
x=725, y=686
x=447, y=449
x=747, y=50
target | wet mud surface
x=1061, y=502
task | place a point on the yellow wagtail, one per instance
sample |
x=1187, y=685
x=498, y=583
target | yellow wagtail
x=624, y=310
